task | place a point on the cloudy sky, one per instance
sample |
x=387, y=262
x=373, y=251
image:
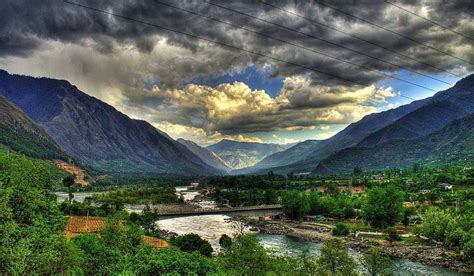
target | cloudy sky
x=305, y=72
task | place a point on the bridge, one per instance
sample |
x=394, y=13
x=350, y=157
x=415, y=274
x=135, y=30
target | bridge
x=248, y=211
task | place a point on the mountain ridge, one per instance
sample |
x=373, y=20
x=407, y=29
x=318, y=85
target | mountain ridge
x=452, y=143
x=446, y=105
x=95, y=133
x=239, y=155
x=19, y=133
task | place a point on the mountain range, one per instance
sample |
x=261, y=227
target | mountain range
x=407, y=122
x=453, y=143
x=95, y=133
x=209, y=157
x=239, y=155
x=52, y=119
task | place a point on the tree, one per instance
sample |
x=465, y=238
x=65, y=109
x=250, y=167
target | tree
x=238, y=228
x=246, y=256
x=171, y=261
x=314, y=203
x=225, y=242
x=305, y=264
x=193, y=243
x=374, y=263
x=68, y=182
x=383, y=207
x=407, y=213
x=295, y=205
x=147, y=219
x=335, y=259
x=392, y=234
x=31, y=225
x=340, y=230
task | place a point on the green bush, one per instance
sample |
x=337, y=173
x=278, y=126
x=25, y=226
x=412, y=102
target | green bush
x=193, y=243
x=340, y=230
x=392, y=234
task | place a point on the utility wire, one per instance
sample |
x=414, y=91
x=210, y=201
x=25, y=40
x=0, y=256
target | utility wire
x=357, y=37
x=323, y=40
x=226, y=45
x=332, y=43
x=294, y=44
x=427, y=19
x=393, y=32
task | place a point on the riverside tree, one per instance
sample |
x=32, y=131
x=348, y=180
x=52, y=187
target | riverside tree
x=374, y=263
x=193, y=243
x=295, y=205
x=335, y=259
x=383, y=207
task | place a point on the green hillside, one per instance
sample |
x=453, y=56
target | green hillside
x=453, y=143
x=19, y=133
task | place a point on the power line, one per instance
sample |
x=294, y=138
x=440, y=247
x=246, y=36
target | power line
x=323, y=40
x=427, y=19
x=228, y=46
x=294, y=44
x=357, y=37
x=388, y=30
x=332, y=43
x=224, y=44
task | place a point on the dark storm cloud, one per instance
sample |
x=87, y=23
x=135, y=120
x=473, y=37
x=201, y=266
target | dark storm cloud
x=25, y=25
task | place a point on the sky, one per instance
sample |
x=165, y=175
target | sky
x=276, y=72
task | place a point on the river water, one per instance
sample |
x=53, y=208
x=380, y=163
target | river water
x=211, y=227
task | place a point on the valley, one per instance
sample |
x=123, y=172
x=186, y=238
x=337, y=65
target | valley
x=253, y=138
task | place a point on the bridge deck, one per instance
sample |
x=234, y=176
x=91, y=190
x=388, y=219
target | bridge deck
x=222, y=210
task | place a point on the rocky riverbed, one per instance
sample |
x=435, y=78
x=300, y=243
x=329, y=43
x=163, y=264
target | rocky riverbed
x=314, y=232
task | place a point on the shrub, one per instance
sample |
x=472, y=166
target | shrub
x=193, y=243
x=225, y=241
x=392, y=234
x=340, y=230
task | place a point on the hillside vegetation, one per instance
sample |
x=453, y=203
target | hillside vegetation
x=19, y=133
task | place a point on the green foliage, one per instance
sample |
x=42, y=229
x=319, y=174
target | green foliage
x=119, y=250
x=453, y=229
x=295, y=205
x=374, y=263
x=146, y=220
x=193, y=243
x=29, y=143
x=383, y=206
x=305, y=263
x=31, y=238
x=340, y=230
x=142, y=195
x=86, y=209
x=225, y=242
x=335, y=259
x=149, y=261
x=246, y=256
x=392, y=234
x=249, y=197
x=407, y=213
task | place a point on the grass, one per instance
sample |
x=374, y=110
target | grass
x=355, y=226
x=415, y=241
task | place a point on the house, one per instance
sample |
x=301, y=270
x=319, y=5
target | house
x=445, y=186
x=424, y=191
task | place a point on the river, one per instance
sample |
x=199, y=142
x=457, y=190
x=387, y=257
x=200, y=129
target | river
x=211, y=227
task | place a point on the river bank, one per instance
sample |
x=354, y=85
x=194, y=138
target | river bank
x=315, y=232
